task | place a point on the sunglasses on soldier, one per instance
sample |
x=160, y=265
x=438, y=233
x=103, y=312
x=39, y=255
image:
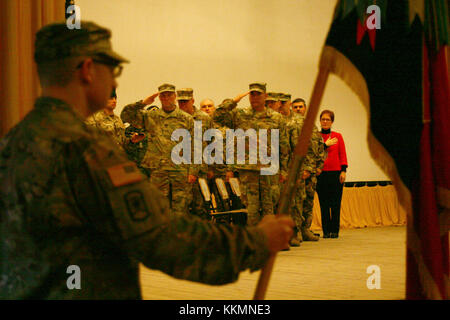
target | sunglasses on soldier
x=116, y=69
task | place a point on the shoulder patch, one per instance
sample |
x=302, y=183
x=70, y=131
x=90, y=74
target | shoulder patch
x=124, y=174
x=136, y=205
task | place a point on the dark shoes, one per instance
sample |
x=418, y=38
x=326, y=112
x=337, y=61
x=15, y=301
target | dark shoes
x=334, y=235
x=331, y=235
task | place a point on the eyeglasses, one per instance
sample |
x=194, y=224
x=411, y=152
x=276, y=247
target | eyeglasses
x=325, y=120
x=116, y=69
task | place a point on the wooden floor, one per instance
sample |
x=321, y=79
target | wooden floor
x=325, y=270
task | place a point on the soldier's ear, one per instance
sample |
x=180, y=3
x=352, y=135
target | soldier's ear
x=87, y=71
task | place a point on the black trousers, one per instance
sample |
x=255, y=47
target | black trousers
x=329, y=190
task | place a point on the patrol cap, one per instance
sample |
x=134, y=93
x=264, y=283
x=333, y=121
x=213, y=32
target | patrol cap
x=285, y=97
x=166, y=88
x=185, y=94
x=272, y=96
x=258, y=86
x=56, y=41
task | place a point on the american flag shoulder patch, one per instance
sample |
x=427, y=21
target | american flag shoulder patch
x=124, y=174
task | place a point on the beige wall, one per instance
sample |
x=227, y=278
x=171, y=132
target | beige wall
x=218, y=47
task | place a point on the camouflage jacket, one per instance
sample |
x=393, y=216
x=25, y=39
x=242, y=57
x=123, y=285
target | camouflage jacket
x=68, y=198
x=246, y=118
x=220, y=169
x=160, y=125
x=111, y=124
x=315, y=155
x=207, y=123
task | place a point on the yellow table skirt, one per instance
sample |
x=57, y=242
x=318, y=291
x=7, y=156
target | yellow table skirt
x=366, y=207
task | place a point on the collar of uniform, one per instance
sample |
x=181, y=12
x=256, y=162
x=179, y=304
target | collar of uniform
x=46, y=101
x=56, y=104
x=265, y=112
x=173, y=113
x=297, y=115
x=60, y=113
x=107, y=114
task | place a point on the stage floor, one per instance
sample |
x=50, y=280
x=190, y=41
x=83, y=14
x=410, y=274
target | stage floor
x=325, y=270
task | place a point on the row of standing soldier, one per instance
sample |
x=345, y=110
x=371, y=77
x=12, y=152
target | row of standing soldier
x=147, y=141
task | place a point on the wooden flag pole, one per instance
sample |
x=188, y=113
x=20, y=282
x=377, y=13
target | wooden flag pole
x=296, y=163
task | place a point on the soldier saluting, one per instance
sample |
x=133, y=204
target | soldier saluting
x=256, y=191
x=174, y=180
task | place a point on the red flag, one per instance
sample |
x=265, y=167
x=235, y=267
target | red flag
x=400, y=72
x=427, y=245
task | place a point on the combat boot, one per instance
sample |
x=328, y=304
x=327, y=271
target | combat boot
x=306, y=233
x=299, y=237
x=294, y=242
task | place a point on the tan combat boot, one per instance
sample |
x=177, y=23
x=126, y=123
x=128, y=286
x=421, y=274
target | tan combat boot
x=306, y=233
x=299, y=237
x=294, y=240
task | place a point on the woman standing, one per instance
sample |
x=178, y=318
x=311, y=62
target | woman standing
x=330, y=182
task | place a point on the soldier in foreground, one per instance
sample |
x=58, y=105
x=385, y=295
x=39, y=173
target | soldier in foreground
x=68, y=198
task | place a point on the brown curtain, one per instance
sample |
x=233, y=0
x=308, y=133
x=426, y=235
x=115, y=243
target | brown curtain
x=19, y=85
x=366, y=207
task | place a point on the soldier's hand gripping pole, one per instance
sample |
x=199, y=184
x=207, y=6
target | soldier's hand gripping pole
x=294, y=168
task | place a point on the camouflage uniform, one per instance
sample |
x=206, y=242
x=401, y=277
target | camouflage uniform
x=256, y=188
x=275, y=189
x=171, y=178
x=302, y=217
x=68, y=198
x=317, y=161
x=111, y=124
x=197, y=205
x=276, y=185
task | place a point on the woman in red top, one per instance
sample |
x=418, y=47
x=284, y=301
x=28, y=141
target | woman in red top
x=330, y=182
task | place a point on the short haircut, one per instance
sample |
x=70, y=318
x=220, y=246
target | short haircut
x=329, y=112
x=205, y=100
x=57, y=72
x=299, y=100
